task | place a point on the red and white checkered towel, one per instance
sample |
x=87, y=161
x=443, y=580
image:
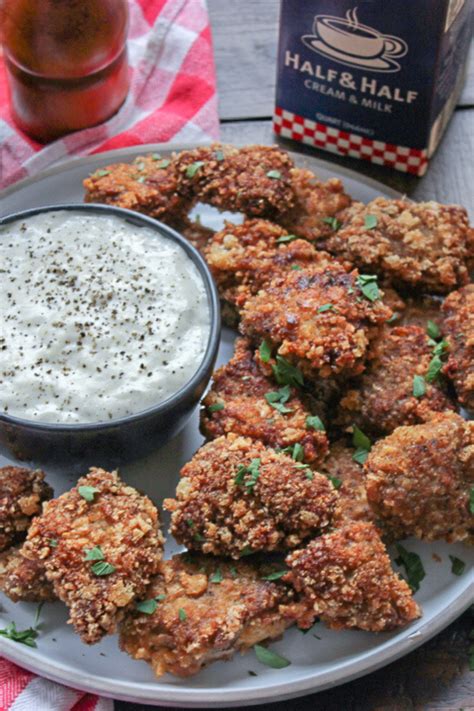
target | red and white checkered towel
x=172, y=95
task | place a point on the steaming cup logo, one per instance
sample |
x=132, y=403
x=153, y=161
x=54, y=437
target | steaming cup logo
x=348, y=41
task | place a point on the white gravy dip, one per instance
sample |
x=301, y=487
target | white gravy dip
x=99, y=318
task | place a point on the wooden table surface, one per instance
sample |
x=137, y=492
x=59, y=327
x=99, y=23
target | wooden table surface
x=436, y=676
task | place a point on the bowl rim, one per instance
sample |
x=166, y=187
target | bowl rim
x=214, y=312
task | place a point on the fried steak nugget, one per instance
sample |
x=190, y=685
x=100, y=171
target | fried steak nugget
x=22, y=579
x=319, y=208
x=317, y=318
x=22, y=492
x=347, y=577
x=100, y=544
x=254, y=180
x=236, y=497
x=236, y=403
x=458, y=327
x=384, y=398
x=419, y=479
x=418, y=245
x=207, y=610
x=148, y=185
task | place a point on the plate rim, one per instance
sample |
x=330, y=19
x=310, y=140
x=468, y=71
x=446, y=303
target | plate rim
x=343, y=671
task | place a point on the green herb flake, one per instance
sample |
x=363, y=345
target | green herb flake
x=140, y=166
x=434, y=369
x=155, y=156
x=367, y=283
x=286, y=238
x=163, y=164
x=53, y=542
x=182, y=614
x=88, y=493
x=101, y=173
x=233, y=571
x=141, y=179
x=419, y=386
x=216, y=407
x=313, y=422
x=334, y=481
x=287, y=374
x=252, y=469
x=325, y=307
x=102, y=568
x=275, y=174
x=296, y=268
x=275, y=576
x=189, y=522
x=269, y=658
x=360, y=456
x=413, y=567
x=471, y=501
x=333, y=222
x=298, y=452
x=192, y=169
x=277, y=399
x=432, y=329
x=265, y=351
x=94, y=553
x=148, y=607
x=219, y=155
x=440, y=348
x=309, y=474
x=217, y=577
x=457, y=565
x=27, y=637
x=246, y=550
x=394, y=317
x=370, y=221
x=359, y=439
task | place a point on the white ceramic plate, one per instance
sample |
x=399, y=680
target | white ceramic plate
x=319, y=662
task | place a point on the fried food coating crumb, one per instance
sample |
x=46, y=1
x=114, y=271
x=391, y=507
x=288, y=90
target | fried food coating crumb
x=244, y=258
x=207, y=610
x=458, y=328
x=419, y=479
x=147, y=185
x=22, y=492
x=254, y=180
x=419, y=245
x=348, y=578
x=236, y=403
x=120, y=529
x=383, y=398
x=236, y=497
x=319, y=208
x=317, y=318
x=22, y=579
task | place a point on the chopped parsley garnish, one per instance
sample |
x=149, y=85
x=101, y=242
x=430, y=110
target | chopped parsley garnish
x=440, y=348
x=432, y=329
x=287, y=374
x=94, y=553
x=419, y=386
x=141, y=179
x=216, y=407
x=308, y=473
x=286, y=238
x=471, y=501
x=314, y=422
x=101, y=173
x=296, y=268
x=246, y=550
x=27, y=636
x=155, y=156
x=163, y=164
x=219, y=155
x=370, y=221
x=88, y=493
x=277, y=399
x=457, y=565
x=192, y=169
x=275, y=576
x=233, y=571
x=362, y=444
x=394, y=317
x=334, y=481
x=217, y=577
x=140, y=166
x=296, y=451
x=182, y=614
x=265, y=351
x=413, y=567
x=254, y=472
x=434, y=369
x=275, y=174
x=269, y=658
x=325, y=307
x=148, y=607
x=103, y=568
x=367, y=283
x=53, y=542
x=333, y=222
x=189, y=522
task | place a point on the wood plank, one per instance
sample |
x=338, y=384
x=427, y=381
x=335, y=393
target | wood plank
x=449, y=177
x=245, y=44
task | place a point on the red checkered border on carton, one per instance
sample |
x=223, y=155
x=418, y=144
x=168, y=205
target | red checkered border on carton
x=328, y=138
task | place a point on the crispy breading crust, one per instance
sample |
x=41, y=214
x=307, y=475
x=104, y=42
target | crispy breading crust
x=419, y=478
x=383, y=397
x=211, y=610
x=24, y=580
x=348, y=578
x=254, y=180
x=22, y=492
x=240, y=386
x=292, y=314
x=244, y=258
x=458, y=327
x=148, y=185
x=421, y=245
x=277, y=509
x=315, y=202
x=124, y=524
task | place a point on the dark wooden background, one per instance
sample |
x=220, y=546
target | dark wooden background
x=436, y=676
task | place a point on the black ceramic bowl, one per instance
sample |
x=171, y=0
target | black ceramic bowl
x=113, y=442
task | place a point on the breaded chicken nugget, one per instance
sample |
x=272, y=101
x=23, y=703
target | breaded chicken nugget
x=458, y=327
x=236, y=497
x=202, y=609
x=240, y=401
x=348, y=578
x=419, y=479
x=22, y=579
x=254, y=180
x=319, y=207
x=100, y=544
x=147, y=185
x=22, y=492
x=319, y=319
x=400, y=385
x=419, y=245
